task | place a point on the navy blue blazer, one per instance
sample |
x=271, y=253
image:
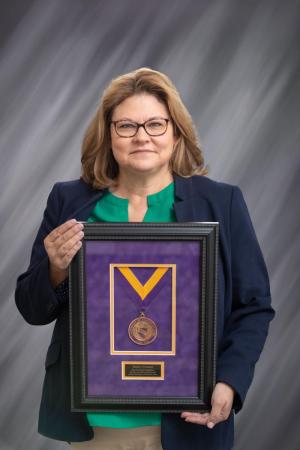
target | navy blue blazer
x=244, y=309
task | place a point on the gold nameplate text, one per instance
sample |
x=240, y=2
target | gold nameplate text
x=143, y=370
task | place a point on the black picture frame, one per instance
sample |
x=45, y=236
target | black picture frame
x=97, y=367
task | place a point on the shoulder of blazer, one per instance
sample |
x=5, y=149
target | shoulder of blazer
x=75, y=192
x=198, y=186
x=74, y=188
x=73, y=199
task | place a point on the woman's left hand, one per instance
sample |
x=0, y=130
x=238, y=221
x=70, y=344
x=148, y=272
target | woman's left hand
x=221, y=405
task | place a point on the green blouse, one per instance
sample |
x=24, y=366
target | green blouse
x=111, y=208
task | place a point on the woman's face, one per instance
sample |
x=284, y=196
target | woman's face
x=142, y=153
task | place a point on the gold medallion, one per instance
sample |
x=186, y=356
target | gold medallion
x=142, y=330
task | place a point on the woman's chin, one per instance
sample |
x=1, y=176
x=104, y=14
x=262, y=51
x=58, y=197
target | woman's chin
x=144, y=167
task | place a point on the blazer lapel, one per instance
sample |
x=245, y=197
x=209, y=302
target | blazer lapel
x=187, y=208
x=83, y=213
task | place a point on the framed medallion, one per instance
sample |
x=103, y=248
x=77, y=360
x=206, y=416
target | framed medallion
x=143, y=300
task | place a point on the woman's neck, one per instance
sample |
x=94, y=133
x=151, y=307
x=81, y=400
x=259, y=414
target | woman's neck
x=140, y=185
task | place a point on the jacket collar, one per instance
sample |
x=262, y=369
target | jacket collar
x=183, y=205
x=192, y=199
x=83, y=213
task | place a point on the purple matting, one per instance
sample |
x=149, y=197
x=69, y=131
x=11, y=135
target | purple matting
x=103, y=369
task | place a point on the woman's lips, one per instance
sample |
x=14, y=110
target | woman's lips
x=140, y=150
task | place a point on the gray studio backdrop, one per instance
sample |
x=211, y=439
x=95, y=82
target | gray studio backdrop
x=236, y=65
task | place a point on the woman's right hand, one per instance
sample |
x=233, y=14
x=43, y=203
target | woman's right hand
x=61, y=246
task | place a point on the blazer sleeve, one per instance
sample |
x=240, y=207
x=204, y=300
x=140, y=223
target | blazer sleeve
x=35, y=297
x=247, y=326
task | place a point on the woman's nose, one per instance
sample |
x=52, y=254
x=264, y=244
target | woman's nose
x=141, y=134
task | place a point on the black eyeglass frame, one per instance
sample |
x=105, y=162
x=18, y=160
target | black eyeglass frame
x=114, y=122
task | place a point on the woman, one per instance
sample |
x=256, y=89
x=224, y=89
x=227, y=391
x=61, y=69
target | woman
x=141, y=145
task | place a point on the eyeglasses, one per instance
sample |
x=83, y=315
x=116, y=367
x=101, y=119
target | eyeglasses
x=153, y=127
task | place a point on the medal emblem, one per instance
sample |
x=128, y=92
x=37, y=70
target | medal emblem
x=142, y=330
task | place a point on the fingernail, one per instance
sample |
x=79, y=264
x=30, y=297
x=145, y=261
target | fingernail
x=210, y=425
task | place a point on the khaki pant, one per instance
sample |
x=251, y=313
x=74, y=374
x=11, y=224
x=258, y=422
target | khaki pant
x=141, y=438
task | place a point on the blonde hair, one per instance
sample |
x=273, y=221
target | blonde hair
x=99, y=168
